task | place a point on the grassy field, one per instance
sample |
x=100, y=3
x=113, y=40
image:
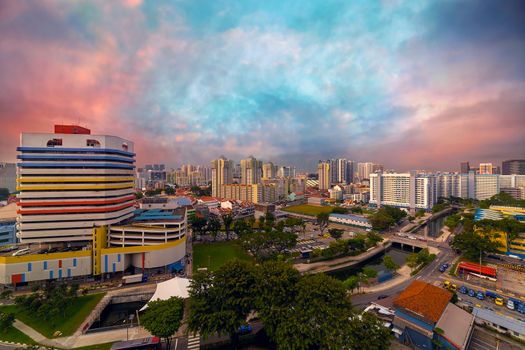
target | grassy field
x=214, y=255
x=14, y=335
x=74, y=316
x=306, y=209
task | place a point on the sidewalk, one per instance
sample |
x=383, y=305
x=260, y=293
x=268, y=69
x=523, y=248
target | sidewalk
x=403, y=274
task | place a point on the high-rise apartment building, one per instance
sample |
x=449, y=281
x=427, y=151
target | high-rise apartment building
x=350, y=171
x=251, y=171
x=269, y=171
x=221, y=174
x=486, y=168
x=324, y=172
x=71, y=181
x=364, y=170
x=486, y=186
x=8, y=176
x=404, y=190
x=341, y=171
x=513, y=167
x=464, y=167
x=286, y=171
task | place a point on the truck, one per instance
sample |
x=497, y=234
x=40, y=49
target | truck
x=134, y=278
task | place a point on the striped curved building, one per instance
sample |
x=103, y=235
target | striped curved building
x=72, y=181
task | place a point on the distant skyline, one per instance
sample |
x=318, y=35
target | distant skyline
x=408, y=84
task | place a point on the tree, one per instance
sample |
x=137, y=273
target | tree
x=351, y=283
x=322, y=221
x=356, y=210
x=420, y=213
x=335, y=233
x=389, y=263
x=241, y=227
x=280, y=241
x=369, y=272
x=270, y=221
x=163, y=318
x=276, y=290
x=366, y=331
x=381, y=221
x=412, y=261
x=227, y=220
x=6, y=321
x=315, y=318
x=139, y=195
x=472, y=244
x=221, y=301
x=199, y=224
x=170, y=191
x=213, y=227
x=339, y=210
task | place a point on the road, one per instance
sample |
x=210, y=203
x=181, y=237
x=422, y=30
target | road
x=486, y=340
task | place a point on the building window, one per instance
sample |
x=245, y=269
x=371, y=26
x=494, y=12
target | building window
x=124, y=146
x=29, y=267
x=45, y=265
x=93, y=143
x=118, y=257
x=54, y=142
x=74, y=262
x=51, y=274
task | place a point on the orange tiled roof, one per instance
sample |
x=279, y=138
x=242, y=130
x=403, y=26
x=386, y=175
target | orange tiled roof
x=424, y=299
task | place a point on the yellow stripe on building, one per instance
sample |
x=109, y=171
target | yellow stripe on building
x=74, y=187
x=43, y=257
x=142, y=249
x=74, y=179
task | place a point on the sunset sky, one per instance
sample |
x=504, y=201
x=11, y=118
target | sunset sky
x=411, y=84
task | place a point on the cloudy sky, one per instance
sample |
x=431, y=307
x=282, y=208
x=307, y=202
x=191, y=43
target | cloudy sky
x=411, y=84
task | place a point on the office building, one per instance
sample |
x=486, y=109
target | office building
x=8, y=176
x=464, y=167
x=513, y=167
x=221, y=174
x=76, y=214
x=324, y=172
x=70, y=182
x=251, y=171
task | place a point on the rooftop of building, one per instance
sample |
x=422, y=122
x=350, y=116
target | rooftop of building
x=350, y=217
x=142, y=215
x=424, y=299
x=456, y=325
x=8, y=212
x=500, y=320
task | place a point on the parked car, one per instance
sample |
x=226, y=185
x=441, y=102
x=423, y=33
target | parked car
x=510, y=304
x=245, y=329
x=499, y=301
x=463, y=290
x=480, y=295
x=471, y=293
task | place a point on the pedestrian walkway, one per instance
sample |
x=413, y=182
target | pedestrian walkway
x=194, y=341
x=403, y=274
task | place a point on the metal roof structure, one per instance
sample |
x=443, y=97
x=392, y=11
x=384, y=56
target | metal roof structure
x=500, y=320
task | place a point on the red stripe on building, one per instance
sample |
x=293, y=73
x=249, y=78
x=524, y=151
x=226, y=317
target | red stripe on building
x=62, y=203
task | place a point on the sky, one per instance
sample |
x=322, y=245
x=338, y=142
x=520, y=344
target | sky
x=409, y=84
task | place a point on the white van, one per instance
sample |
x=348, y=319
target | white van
x=21, y=252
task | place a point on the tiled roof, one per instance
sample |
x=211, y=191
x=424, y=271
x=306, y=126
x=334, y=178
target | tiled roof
x=424, y=299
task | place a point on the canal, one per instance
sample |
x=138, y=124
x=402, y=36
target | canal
x=398, y=255
x=114, y=315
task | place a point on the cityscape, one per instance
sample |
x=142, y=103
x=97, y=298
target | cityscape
x=297, y=175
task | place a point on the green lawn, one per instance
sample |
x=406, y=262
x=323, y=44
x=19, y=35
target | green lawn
x=14, y=335
x=214, y=255
x=74, y=316
x=306, y=209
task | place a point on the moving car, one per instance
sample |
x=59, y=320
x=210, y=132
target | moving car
x=383, y=296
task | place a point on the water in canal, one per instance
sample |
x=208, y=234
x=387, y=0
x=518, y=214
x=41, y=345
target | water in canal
x=398, y=255
x=115, y=314
x=432, y=228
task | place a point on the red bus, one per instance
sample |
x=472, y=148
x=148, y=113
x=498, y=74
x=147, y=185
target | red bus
x=152, y=343
x=466, y=267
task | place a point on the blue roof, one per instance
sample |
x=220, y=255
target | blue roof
x=507, y=322
x=156, y=214
x=350, y=217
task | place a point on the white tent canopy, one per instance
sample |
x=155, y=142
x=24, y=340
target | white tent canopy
x=175, y=287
